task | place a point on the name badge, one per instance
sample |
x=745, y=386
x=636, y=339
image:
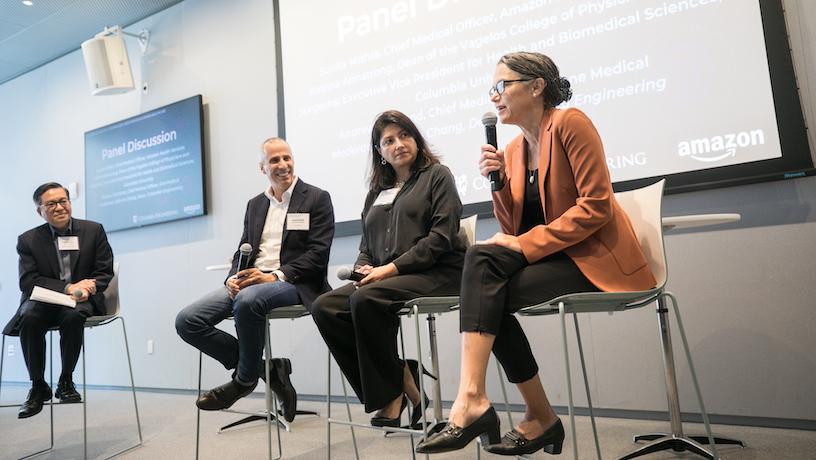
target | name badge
x=386, y=196
x=68, y=243
x=297, y=221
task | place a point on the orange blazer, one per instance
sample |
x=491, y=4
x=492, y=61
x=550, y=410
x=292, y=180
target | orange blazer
x=583, y=219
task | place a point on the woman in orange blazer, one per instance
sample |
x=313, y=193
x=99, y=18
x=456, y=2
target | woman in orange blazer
x=561, y=232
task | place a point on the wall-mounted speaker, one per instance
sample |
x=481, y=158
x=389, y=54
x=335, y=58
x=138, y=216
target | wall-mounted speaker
x=107, y=64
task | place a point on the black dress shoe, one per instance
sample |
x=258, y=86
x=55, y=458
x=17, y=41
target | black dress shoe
x=224, y=396
x=33, y=404
x=514, y=443
x=453, y=437
x=279, y=382
x=416, y=411
x=67, y=393
x=390, y=422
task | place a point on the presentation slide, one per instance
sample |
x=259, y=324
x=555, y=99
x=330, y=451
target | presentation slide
x=672, y=86
x=146, y=169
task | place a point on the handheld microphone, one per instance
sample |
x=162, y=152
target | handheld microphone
x=78, y=294
x=345, y=273
x=489, y=121
x=243, y=256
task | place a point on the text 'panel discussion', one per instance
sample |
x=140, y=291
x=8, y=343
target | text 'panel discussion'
x=401, y=229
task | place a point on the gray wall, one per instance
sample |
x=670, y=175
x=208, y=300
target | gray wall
x=746, y=289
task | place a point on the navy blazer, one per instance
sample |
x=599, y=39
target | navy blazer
x=304, y=254
x=39, y=265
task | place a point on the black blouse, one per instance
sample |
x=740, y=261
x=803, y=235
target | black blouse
x=419, y=229
x=532, y=213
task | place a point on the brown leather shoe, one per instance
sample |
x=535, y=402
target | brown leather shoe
x=224, y=396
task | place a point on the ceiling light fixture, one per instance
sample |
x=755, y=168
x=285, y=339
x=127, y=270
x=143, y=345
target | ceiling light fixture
x=28, y=3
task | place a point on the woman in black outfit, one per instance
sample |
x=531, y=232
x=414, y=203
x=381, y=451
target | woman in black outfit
x=410, y=247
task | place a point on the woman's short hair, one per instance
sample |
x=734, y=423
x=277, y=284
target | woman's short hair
x=383, y=176
x=536, y=65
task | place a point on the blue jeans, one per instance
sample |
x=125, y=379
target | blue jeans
x=196, y=323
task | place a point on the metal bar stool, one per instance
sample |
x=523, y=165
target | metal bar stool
x=112, y=308
x=643, y=206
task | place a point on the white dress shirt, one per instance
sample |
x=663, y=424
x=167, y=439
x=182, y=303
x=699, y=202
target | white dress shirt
x=268, y=259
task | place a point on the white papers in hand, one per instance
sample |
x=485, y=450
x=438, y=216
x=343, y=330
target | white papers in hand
x=41, y=294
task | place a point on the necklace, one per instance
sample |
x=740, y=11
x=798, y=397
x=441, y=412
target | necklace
x=532, y=175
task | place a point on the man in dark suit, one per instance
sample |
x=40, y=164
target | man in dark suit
x=290, y=227
x=70, y=256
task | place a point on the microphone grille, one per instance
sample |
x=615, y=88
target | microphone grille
x=489, y=119
x=245, y=248
x=343, y=273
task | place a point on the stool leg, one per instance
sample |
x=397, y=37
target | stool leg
x=711, y=440
x=436, y=385
x=561, y=314
x=586, y=385
x=271, y=400
x=504, y=393
x=84, y=404
x=676, y=440
x=198, y=411
x=51, y=381
x=2, y=356
x=132, y=383
x=348, y=413
x=402, y=347
x=133, y=392
x=421, y=388
x=328, y=406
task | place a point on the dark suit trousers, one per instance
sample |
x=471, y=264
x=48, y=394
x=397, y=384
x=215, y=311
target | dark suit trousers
x=497, y=282
x=360, y=328
x=36, y=319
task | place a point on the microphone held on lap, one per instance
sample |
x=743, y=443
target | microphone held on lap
x=346, y=273
x=243, y=256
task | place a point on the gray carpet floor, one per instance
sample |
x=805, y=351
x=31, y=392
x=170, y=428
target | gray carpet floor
x=169, y=423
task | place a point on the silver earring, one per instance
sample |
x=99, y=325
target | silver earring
x=382, y=160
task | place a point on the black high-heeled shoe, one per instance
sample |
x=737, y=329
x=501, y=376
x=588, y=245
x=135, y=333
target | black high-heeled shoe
x=454, y=437
x=416, y=411
x=390, y=422
x=514, y=443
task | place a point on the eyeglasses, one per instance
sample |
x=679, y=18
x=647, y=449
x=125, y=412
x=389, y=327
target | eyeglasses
x=502, y=84
x=52, y=205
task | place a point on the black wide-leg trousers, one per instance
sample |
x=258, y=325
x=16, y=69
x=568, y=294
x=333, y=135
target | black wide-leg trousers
x=360, y=328
x=496, y=283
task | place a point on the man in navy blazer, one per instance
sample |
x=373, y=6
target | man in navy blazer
x=290, y=227
x=66, y=255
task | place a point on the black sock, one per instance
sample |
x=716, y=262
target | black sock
x=241, y=382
